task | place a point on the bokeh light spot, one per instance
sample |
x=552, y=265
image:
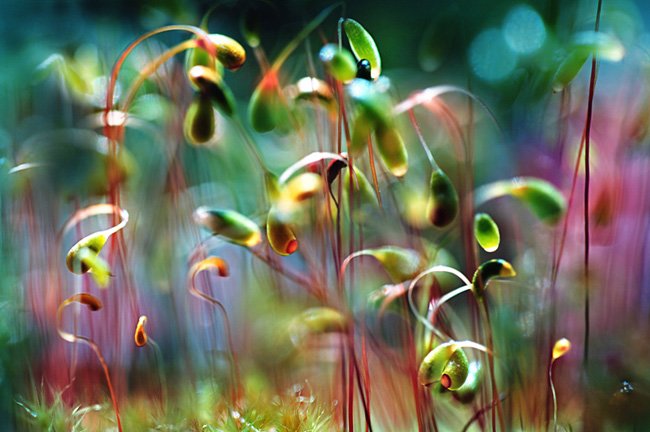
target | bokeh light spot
x=490, y=57
x=524, y=30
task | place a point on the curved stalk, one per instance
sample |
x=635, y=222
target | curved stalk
x=93, y=304
x=435, y=269
x=214, y=263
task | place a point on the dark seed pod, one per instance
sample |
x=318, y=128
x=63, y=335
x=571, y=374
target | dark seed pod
x=199, y=125
x=442, y=206
x=364, y=70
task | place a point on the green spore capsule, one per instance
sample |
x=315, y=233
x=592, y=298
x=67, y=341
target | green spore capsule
x=363, y=45
x=199, y=126
x=265, y=103
x=442, y=205
x=401, y=264
x=363, y=195
x=486, y=232
x=466, y=393
x=364, y=70
x=316, y=321
x=231, y=225
x=339, y=62
x=489, y=270
x=541, y=197
x=447, y=364
x=361, y=130
x=392, y=150
x=93, y=243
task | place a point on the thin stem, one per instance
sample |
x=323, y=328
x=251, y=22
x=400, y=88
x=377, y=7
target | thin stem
x=151, y=68
x=423, y=143
x=107, y=375
x=202, y=35
x=161, y=373
x=590, y=103
x=434, y=269
x=550, y=378
x=234, y=369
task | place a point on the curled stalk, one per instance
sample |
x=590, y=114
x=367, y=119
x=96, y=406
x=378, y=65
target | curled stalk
x=94, y=304
x=84, y=257
x=141, y=338
x=441, y=301
x=219, y=266
x=561, y=347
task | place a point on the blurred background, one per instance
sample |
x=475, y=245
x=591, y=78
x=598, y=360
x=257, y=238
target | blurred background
x=55, y=57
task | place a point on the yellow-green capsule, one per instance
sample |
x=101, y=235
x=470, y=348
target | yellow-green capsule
x=489, y=270
x=447, y=364
x=229, y=224
x=361, y=130
x=303, y=186
x=486, y=232
x=316, y=321
x=363, y=45
x=200, y=57
x=230, y=53
x=371, y=102
x=84, y=259
x=542, y=198
x=392, y=150
x=569, y=68
x=364, y=197
x=339, y=62
x=280, y=234
x=466, y=393
x=210, y=84
x=93, y=242
x=199, y=124
x=401, y=264
x=442, y=205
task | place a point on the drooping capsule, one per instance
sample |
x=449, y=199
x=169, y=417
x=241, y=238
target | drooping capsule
x=442, y=205
x=140, y=336
x=230, y=53
x=401, y=264
x=561, y=347
x=210, y=84
x=316, y=321
x=542, y=198
x=199, y=124
x=486, y=232
x=339, y=62
x=265, y=103
x=447, y=364
x=488, y=270
x=467, y=392
x=392, y=150
x=280, y=234
x=229, y=224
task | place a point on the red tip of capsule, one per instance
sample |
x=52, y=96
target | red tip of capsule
x=445, y=381
x=292, y=246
